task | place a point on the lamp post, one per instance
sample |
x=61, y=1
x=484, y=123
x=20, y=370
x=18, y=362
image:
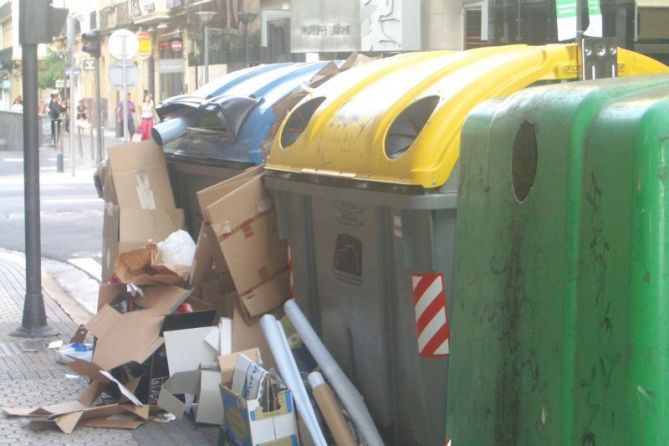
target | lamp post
x=206, y=17
x=246, y=18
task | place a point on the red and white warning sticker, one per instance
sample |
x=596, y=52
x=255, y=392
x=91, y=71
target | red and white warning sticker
x=432, y=329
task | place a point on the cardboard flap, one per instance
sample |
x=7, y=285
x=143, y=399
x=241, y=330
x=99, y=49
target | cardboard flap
x=142, y=267
x=67, y=423
x=140, y=176
x=227, y=363
x=255, y=254
x=92, y=392
x=250, y=199
x=86, y=368
x=138, y=226
x=210, y=404
x=133, y=336
x=208, y=196
x=187, y=349
x=163, y=299
x=178, y=384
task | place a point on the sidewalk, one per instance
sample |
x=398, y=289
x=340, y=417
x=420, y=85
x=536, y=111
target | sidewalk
x=30, y=376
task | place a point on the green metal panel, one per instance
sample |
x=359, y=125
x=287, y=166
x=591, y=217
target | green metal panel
x=560, y=317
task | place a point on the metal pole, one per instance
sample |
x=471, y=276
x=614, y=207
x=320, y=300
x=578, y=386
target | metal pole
x=206, y=53
x=34, y=316
x=98, y=112
x=70, y=57
x=579, y=37
x=247, y=60
x=124, y=91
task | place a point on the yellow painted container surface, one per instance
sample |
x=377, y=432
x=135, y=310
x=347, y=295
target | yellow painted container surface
x=357, y=124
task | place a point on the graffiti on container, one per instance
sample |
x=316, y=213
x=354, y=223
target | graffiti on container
x=603, y=364
x=347, y=262
x=519, y=363
x=350, y=214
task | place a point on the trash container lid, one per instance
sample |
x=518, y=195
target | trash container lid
x=398, y=120
x=260, y=87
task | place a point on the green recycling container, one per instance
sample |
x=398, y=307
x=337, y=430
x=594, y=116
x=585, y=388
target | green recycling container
x=560, y=307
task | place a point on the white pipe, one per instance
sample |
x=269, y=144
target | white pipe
x=348, y=394
x=276, y=338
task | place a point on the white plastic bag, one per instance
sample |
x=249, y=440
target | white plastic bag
x=178, y=249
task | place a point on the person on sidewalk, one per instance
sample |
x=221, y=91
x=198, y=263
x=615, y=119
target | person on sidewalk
x=55, y=109
x=130, y=112
x=148, y=110
x=17, y=105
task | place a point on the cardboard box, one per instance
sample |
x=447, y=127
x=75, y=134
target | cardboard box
x=133, y=336
x=138, y=226
x=257, y=409
x=244, y=223
x=211, y=194
x=140, y=176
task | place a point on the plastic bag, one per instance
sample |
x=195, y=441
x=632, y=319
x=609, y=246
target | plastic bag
x=68, y=352
x=178, y=249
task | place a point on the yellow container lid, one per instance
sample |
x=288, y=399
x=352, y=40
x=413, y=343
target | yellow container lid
x=398, y=120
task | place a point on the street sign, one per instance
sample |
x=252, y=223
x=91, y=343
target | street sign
x=89, y=64
x=115, y=74
x=145, y=44
x=120, y=40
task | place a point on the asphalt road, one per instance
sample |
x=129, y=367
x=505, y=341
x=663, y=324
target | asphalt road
x=71, y=212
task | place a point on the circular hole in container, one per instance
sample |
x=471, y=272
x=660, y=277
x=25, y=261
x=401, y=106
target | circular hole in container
x=524, y=160
x=408, y=124
x=298, y=120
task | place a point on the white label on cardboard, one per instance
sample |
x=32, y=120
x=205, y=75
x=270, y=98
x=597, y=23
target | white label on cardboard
x=264, y=205
x=222, y=228
x=144, y=193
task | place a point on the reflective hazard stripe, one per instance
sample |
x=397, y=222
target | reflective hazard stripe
x=432, y=330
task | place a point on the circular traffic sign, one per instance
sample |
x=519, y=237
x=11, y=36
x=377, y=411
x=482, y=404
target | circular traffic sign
x=123, y=44
x=176, y=45
x=145, y=46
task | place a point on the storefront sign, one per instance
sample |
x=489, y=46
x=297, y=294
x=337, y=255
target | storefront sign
x=324, y=25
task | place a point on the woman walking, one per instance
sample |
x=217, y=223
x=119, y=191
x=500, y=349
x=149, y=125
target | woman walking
x=147, y=116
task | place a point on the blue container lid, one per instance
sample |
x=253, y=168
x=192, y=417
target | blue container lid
x=231, y=116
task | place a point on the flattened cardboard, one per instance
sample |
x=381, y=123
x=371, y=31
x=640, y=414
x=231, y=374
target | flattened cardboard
x=211, y=194
x=255, y=253
x=268, y=296
x=203, y=259
x=138, y=226
x=244, y=223
x=133, y=336
x=140, y=176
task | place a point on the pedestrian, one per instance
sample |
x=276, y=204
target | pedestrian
x=82, y=115
x=54, y=108
x=148, y=111
x=17, y=105
x=130, y=112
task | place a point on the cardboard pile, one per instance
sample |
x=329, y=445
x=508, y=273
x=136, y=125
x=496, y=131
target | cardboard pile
x=139, y=203
x=163, y=331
